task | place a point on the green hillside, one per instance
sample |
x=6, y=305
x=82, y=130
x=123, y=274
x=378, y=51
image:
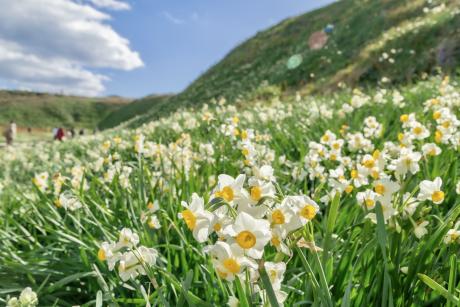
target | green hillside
x=398, y=40
x=131, y=110
x=29, y=109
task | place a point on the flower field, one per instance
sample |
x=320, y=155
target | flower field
x=350, y=199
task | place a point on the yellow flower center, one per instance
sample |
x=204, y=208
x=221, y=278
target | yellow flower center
x=325, y=138
x=417, y=130
x=236, y=132
x=437, y=196
x=336, y=146
x=217, y=227
x=333, y=157
x=369, y=163
x=256, y=193
x=375, y=175
x=436, y=115
x=308, y=212
x=349, y=189
x=235, y=120
x=354, y=174
x=244, y=135
x=369, y=202
x=276, y=241
x=227, y=193
x=272, y=274
x=438, y=136
x=189, y=218
x=246, y=239
x=231, y=265
x=376, y=154
x=150, y=205
x=404, y=118
x=101, y=255
x=380, y=189
x=432, y=152
x=58, y=203
x=245, y=152
x=152, y=224
x=278, y=217
x=446, y=124
x=221, y=274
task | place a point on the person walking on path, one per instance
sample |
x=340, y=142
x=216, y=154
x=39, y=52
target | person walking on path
x=60, y=134
x=10, y=133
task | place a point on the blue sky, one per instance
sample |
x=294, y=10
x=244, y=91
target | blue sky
x=179, y=40
x=130, y=48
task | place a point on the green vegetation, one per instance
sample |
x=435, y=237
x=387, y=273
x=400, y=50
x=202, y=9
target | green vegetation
x=131, y=110
x=29, y=109
x=368, y=244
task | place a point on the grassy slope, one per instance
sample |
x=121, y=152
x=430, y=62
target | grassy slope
x=131, y=110
x=363, y=31
x=46, y=110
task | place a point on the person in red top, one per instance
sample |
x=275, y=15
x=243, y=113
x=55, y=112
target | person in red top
x=60, y=134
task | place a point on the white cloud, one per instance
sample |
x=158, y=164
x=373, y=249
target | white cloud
x=111, y=4
x=172, y=19
x=52, y=45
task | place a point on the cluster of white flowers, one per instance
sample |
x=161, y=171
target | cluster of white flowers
x=133, y=260
x=246, y=216
x=27, y=298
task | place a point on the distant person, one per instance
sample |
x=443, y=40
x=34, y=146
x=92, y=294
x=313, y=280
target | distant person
x=55, y=130
x=60, y=134
x=72, y=132
x=13, y=129
x=82, y=132
x=29, y=130
x=10, y=133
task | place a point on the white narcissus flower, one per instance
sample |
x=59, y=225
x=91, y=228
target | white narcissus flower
x=407, y=162
x=430, y=150
x=284, y=216
x=419, y=131
x=153, y=206
x=277, y=240
x=431, y=190
x=367, y=199
x=27, y=298
x=229, y=260
x=68, y=202
x=420, y=229
x=264, y=173
x=250, y=234
x=41, y=181
x=275, y=272
x=260, y=189
x=305, y=208
x=229, y=188
x=385, y=188
x=132, y=263
x=108, y=252
x=198, y=220
x=139, y=143
x=127, y=238
x=233, y=301
x=411, y=204
x=452, y=236
x=153, y=222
